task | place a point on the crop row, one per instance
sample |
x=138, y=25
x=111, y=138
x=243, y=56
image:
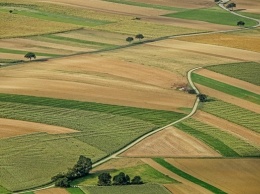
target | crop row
x=233, y=114
x=247, y=71
x=226, y=88
x=226, y=143
x=130, y=189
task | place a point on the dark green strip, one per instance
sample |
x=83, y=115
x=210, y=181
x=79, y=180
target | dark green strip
x=213, y=142
x=188, y=176
x=226, y=88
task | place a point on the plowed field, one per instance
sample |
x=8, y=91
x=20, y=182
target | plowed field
x=236, y=176
x=10, y=128
x=52, y=191
x=171, y=142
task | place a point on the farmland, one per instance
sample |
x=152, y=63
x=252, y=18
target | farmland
x=245, y=71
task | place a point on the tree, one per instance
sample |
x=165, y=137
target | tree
x=83, y=166
x=139, y=36
x=129, y=39
x=121, y=179
x=240, y=23
x=30, y=55
x=137, y=180
x=202, y=97
x=10, y=11
x=63, y=182
x=104, y=179
x=231, y=6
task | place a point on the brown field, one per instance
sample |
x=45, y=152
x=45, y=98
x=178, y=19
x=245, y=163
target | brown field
x=98, y=79
x=185, y=185
x=11, y=128
x=249, y=5
x=171, y=142
x=246, y=42
x=229, y=80
x=40, y=46
x=16, y=56
x=110, y=7
x=212, y=50
x=235, y=176
x=229, y=98
x=177, y=3
x=248, y=135
x=52, y=191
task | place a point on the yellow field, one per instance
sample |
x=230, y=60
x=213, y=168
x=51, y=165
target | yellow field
x=248, y=40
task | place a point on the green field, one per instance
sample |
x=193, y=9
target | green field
x=3, y=50
x=188, y=176
x=212, y=15
x=225, y=143
x=252, y=15
x=4, y=190
x=75, y=191
x=147, y=173
x=226, y=88
x=246, y=71
x=148, y=5
x=129, y=189
x=233, y=114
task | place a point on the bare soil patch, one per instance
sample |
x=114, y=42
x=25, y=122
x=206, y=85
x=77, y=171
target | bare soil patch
x=218, y=51
x=249, y=5
x=111, y=7
x=171, y=142
x=236, y=176
x=185, y=184
x=248, y=135
x=11, y=128
x=229, y=98
x=184, y=4
x=229, y=80
x=98, y=79
x=246, y=41
x=186, y=23
x=52, y=191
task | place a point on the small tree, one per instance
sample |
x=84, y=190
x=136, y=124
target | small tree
x=231, y=6
x=30, y=55
x=10, y=11
x=139, y=36
x=240, y=23
x=137, y=180
x=129, y=39
x=104, y=179
x=83, y=166
x=63, y=182
x=202, y=97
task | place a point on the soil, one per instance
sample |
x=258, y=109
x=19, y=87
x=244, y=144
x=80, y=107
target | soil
x=235, y=176
x=52, y=191
x=171, y=142
x=11, y=128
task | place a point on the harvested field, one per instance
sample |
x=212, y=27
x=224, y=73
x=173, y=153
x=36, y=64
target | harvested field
x=229, y=80
x=246, y=42
x=97, y=79
x=10, y=128
x=110, y=7
x=251, y=6
x=212, y=50
x=187, y=185
x=229, y=98
x=237, y=176
x=171, y=142
x=176, y=3
x=52, y=191
x=250, y=136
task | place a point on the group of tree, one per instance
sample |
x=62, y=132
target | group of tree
x=138, y=36
x=80, y=169
x=105, y=179
x=202, y=97
x=231, y=6
x=240, y=23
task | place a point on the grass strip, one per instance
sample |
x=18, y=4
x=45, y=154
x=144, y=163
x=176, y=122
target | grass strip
x=75, y=191
x=188, y=176
x=157, y=117
x=78, y=40
x=148, y=5
x=226, y=88
x=4, y=50
x=212, y=15
x=210, y=140
x=246, y=71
